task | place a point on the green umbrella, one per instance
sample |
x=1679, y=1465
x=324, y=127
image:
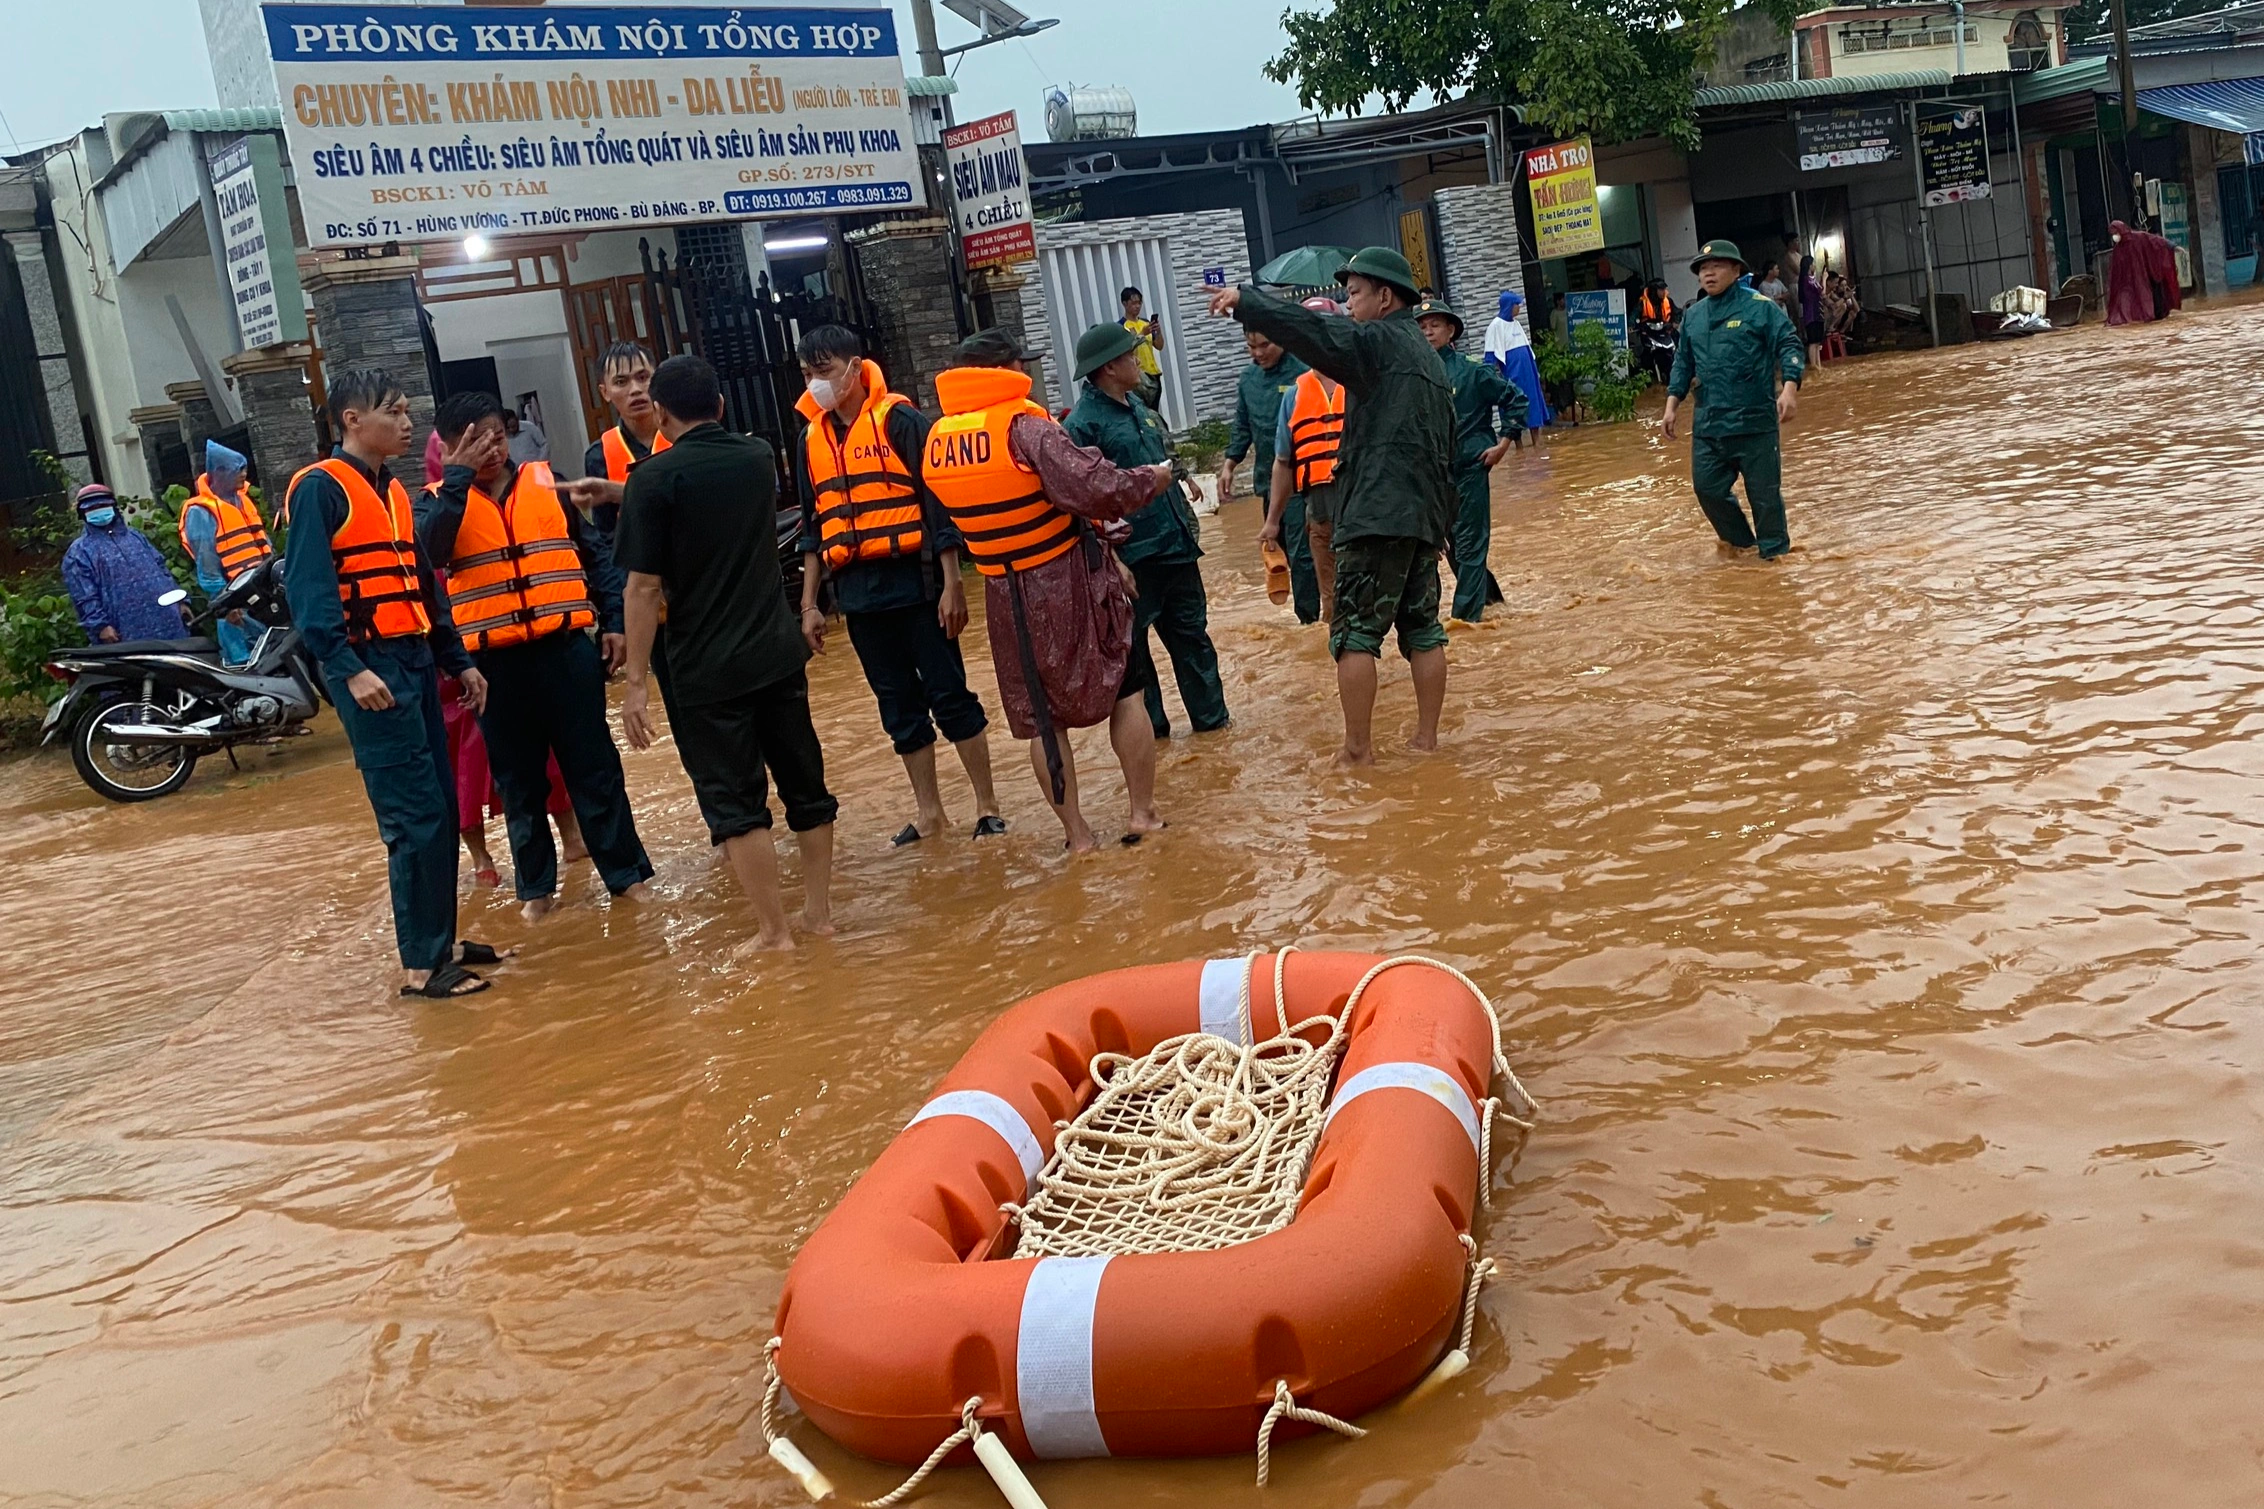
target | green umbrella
x=1306, y=267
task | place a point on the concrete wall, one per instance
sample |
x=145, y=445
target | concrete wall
x=90, y=284
x=1479, y=246
x=1674, y=225
x=159, y=357
x=1985, y=49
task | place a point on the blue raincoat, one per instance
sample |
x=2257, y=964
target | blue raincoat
x=115, y=577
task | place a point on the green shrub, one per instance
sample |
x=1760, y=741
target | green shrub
x=1203, y=445
x=35, y=621
x=1598, y=374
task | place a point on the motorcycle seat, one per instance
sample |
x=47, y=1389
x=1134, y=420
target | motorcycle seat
x=198, y=645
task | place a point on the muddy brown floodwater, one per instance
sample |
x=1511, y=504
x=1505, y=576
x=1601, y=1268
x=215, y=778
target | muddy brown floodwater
x=1878, y=931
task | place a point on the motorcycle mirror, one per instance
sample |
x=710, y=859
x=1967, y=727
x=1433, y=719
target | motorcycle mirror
x=174, y=598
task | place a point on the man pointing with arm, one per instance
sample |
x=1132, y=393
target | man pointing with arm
x=1394, y=495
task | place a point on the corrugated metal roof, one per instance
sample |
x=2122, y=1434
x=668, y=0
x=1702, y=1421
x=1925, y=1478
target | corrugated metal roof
x=241, y=118
x=1817, y=89
x=147, y=197
x=2053, y=83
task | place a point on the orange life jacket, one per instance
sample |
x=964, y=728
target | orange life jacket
x=868, y=506
x=1316, y=429
x=375, y=555
x=998, y=504
x=619, y=458
x=515, y=574
x=241, y=536
x=1663, y=309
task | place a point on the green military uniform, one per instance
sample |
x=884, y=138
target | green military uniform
x=1480, y=392
x=1258, y=396
x=1734, y=345
x=1394, y=497
x=1165, y=546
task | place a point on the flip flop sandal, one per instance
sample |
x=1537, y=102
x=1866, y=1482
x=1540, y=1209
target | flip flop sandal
x=989, y=827
x=468, y=952
x=443, y=983
x=909, y=835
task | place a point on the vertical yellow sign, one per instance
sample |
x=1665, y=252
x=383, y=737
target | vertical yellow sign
x=1415, y=246
x=1561, y=179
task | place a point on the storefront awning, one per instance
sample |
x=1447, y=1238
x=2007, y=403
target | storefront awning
x=2235, y=105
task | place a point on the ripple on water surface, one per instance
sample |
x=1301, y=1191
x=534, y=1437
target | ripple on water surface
x=1875, y=930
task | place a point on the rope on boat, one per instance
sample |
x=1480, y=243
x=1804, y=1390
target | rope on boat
x=1286, y=1407
x=990, y=1451
x=1196, y=1145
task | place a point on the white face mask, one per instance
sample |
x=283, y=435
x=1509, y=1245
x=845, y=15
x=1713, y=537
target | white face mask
x=827, y=392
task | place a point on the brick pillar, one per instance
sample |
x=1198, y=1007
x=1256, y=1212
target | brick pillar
x=906, y=266
x=200, y=421
x=1002, y=288
x=158, y=424
x=1478, y=246
x=271, y=383
x=52, y=352
x=367, y=313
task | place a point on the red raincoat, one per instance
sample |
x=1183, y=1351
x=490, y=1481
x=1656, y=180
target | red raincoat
x=2142, y=276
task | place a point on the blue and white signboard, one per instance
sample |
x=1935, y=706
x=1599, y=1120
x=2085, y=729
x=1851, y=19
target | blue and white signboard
x=435, y=122
x=1598, y=306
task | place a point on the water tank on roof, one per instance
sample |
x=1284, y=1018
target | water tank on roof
x=1091, y=112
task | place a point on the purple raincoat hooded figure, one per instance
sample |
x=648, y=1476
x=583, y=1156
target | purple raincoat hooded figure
x=1509, y=351
x=115, y=576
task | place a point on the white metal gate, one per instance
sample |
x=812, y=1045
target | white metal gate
x=1082, y=284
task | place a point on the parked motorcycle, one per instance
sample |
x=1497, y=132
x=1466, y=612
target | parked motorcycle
x=141, y=713
x=1654, y=346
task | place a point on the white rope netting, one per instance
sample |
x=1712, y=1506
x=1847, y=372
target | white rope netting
x=1197, y=1144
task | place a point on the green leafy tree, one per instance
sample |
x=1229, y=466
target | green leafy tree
x=1618, y=69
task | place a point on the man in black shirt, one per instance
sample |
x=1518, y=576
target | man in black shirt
x=699, y=524
x=893, y=555
x=362, y=599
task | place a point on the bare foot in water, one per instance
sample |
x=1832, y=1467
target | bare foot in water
x=537, y=909
x=1423, y=743
x=764, y=943
x=638, y=892
x=1149, y=821
x=818, y=922
x=1349, y=758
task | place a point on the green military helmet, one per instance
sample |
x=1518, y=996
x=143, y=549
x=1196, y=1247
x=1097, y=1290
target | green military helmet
x=1435, y=305
x=1099, y=346
x=1385, y=266
x=1718, y=251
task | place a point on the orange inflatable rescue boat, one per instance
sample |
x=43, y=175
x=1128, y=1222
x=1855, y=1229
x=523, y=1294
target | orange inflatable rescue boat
x=909, y=1328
